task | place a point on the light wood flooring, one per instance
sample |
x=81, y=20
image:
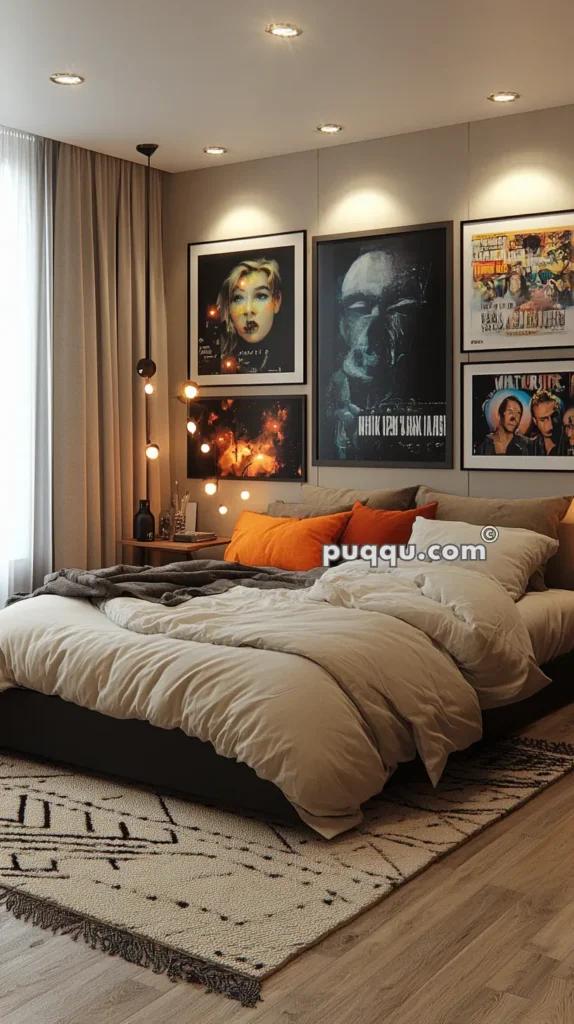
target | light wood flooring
x=485, y=936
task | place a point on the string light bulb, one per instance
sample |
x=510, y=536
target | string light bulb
x=210, y=488
x=223, y=510
x=205, y=448
x=190, y=390
x=149, y=388
x=191, y=426
x=152, y=450
x=245, y=495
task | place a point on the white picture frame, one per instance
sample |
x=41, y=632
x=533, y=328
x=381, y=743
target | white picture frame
x=210, y=269
x=486, y=385
x=517, y=282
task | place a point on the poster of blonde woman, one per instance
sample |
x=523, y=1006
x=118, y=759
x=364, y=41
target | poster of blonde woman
x=518, y=276
x=247, y=310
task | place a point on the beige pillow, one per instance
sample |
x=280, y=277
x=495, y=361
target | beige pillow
x=297, y=510
x=394, y=499
x=541, y=515
x=511, y=559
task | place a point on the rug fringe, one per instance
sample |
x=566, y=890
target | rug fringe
x=133, y=948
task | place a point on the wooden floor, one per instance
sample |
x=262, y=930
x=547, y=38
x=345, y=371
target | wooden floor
x=485, y=936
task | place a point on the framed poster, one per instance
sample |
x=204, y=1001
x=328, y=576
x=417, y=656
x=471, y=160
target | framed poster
x=518, y=415
x=249, y=438
x=247, y=310
x=517, y=279
x=383, y=348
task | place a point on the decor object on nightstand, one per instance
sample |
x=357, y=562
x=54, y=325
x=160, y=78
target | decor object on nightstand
x=144, y=522
x=165, y=531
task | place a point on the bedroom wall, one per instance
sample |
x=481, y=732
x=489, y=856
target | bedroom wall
x=514, y=164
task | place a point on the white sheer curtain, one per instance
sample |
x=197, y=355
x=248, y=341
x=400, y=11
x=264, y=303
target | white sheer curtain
x=26, y=218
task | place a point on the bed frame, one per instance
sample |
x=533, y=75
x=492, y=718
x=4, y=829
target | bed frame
x=49, y=727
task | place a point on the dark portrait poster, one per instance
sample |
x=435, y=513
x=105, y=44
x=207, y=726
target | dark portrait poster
x=518, y=276
x=249, y=438
x=246, y=313
x=383, y=348
x=519, y=415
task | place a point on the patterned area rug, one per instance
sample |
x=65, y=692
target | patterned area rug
x=224, y=900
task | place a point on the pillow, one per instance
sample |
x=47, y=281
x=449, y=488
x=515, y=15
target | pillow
x=298, y=510
x=542, y=515
x=511, y=559
x=372, y=526
x=283, y=543
x=395, y=499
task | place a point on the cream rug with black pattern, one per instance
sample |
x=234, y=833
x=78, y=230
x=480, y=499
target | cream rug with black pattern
x=225, y=900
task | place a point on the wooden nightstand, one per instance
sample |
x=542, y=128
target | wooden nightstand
x=162, y=547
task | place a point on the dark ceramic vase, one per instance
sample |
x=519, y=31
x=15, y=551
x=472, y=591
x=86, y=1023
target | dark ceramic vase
x=144, y=522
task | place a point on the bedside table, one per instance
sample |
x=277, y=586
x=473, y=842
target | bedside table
x=161, y=547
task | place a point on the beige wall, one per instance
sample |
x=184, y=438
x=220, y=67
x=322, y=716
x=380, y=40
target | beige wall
x=517, y=164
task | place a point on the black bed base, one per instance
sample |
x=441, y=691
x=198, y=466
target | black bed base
x=49, y=727
x=39, y=725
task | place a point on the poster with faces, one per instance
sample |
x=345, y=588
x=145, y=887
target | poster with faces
x=383, y=348
x=519, y=415
x=518, y=276
x=247, y=310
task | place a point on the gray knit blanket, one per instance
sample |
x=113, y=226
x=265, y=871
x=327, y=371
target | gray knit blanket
x=168, y=584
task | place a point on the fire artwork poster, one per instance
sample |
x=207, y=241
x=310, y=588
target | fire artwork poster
x=250, y=438
x=518, y=415
x=247, y=310
x=517, y=280
x=383, y=348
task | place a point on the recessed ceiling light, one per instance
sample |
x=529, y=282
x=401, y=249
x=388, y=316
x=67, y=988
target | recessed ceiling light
x=505, y=96
x=66, y=78
x=284, y=31
x=329, y=129
x=215, y=150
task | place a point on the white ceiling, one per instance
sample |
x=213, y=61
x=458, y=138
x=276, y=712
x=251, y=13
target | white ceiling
x=187, y=73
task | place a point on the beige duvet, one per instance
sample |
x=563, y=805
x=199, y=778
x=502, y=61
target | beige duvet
x=322, y=691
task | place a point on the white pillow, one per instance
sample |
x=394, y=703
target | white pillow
x=511, y=558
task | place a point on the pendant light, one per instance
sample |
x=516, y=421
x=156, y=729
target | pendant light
x=146, y=367
x=144, y=522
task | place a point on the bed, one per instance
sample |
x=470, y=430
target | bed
x=49, y=638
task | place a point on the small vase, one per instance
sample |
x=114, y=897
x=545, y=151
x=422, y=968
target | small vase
x=144, y=522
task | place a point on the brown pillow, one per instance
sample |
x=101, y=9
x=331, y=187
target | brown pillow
x=393, y=500
x=297, y=510
x=542, y=515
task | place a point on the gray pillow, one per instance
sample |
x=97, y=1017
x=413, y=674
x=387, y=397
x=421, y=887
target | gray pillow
x=297, y=510
x=542, y=515
x=394, y=499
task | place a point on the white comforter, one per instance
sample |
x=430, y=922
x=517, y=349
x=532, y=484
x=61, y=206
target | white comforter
x=322, y=691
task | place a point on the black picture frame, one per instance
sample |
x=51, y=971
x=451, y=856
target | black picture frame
x=530, y=463
x=534, y=222
x=235, y=249
x=293, y=450
x=446, y=345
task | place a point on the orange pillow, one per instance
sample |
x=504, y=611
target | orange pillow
x=284, y=543
x=373, y=526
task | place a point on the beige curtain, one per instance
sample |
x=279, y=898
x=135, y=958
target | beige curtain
x=99, y=335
